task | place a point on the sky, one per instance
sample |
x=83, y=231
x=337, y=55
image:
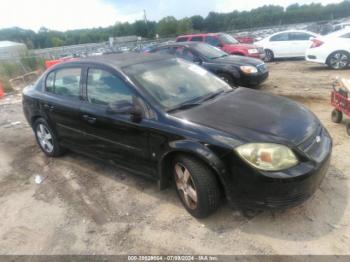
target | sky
x=75, y=14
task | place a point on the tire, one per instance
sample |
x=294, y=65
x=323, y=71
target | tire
x=348, y=129
x=202, y=180
x=338, y=60
x=227, y=78
x=269, y=55
x=337, y=116
x=46, y=138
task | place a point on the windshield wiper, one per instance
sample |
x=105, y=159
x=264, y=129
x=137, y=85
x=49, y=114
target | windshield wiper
x=212, y=95
x=216, y=57
x=184, y=106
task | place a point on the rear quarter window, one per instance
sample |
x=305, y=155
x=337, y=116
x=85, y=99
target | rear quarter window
x=182, y=39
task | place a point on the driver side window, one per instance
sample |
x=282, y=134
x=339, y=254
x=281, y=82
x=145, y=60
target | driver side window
x=104, y=88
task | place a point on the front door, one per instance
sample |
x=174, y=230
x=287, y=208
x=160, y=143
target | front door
x=111, y=136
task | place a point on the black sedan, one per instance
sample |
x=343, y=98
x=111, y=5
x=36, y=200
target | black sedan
x=236, y=70
x=171, y=120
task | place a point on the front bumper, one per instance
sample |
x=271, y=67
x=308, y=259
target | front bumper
x=256, y=189
x=253, y=80
x=260, y=56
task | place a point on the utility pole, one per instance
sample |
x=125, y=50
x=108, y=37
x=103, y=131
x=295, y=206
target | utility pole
x=145, y=20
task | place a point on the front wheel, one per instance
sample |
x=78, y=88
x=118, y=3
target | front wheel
x=227, y=78
x=196, y=186
x=338, y=60
x=269, y=56
x=337, y=116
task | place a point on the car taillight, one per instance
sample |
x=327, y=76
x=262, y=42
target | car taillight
x=316, y=43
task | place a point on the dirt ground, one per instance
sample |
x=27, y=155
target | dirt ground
x=87, y=207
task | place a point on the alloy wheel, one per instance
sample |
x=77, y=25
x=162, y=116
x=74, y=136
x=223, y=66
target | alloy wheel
x=339, y=60
x=45, y=138
x=185, y=186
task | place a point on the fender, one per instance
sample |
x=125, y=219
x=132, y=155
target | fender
x=196, y=149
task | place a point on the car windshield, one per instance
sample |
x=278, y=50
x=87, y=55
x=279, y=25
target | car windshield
x=175, y=83
x=209, y=51
x=227, y=39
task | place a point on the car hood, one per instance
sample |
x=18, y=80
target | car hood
x=238, y=60
x=255, y=116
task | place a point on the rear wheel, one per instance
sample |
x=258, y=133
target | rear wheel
x=337, y=116
x=269, y=55
x=196, y=186
x=338, y=60
x=46, y=138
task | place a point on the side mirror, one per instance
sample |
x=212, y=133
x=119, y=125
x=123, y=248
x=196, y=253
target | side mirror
x=124, y=107
x=197, y=60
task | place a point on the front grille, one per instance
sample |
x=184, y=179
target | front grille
x=262, y=68
x=317, y=144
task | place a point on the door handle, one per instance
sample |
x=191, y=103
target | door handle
x=89, y=119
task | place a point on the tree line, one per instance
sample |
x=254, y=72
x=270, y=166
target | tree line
x=268, y=15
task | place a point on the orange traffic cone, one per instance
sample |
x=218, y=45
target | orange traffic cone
x=2, y=92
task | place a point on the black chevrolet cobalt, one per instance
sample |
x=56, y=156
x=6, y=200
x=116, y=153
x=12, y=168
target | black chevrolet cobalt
x=173, y=121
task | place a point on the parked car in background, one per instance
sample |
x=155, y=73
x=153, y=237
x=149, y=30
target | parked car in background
x=171, y=120
x=286, y=44
x=245, y=39
x=235, y=70
x=226, y=43
x=332, y=50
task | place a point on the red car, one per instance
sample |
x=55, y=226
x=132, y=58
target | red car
x=225, y=42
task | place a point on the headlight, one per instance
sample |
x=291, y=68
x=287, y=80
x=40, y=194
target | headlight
x=267, y=156
x=253, y=51
x=249, y=69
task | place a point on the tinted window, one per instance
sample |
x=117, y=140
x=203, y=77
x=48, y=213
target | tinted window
x=212, y=41
x=185, y=53
x=197, y=39
x=50, y=82
x=299, y=36
x=64, y=82
x=181, y=39
x=191, y=83
x=209, y=52
x=280, y=37
x=104, y=88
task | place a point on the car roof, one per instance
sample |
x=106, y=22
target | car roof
x=184, y=44
x=118, y=60
x=204, y=34
x=295, y=31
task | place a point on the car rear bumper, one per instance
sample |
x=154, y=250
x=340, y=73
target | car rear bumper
x=260, y=190
x=315, y=55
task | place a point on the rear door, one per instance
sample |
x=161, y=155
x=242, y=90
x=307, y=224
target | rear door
x=63, y=98
x=109, y=136
x=299, y=42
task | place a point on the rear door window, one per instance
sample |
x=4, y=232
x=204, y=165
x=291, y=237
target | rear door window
x=182, y=39
x=197, y=39
x=211, y=40
x=64, y=82
x=280, y=37
x=299, y=36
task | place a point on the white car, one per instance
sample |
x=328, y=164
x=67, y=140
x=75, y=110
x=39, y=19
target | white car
x=332, y=49
x=286, y=44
